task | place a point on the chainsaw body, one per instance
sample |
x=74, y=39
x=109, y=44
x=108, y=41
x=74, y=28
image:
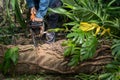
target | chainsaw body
x=37, y=31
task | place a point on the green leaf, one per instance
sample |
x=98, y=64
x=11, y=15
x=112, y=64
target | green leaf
x=65, y=43
x=117, y=63
x=70, y=35
x=70, y=2
x=110, y=3
x=116, y=49
x=8, y=54
x=70, y=24
x=13, y=3
x=74, y=61
x=10, y=58
x=6, y=66
x=67, y=52
x=112, y=68
x=11, y=54
x=104, y=76
x=88, y=48
x=115, y=45
x=19, y=15
x=75, y=37
x=63, y=11
x=56, y=30
x=14, y=57
x=79, y=40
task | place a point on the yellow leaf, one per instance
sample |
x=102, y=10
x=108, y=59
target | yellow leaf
x=97, y=30
x=86, y=26
x=108, y=30
x=94, y=24
x=103, y=32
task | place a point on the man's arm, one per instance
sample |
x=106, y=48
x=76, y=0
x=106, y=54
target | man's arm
x=30, y=3
x=43, y=7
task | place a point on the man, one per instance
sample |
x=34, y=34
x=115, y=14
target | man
x=40, y=8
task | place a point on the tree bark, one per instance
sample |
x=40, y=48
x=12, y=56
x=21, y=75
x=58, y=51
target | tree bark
x=48, y=58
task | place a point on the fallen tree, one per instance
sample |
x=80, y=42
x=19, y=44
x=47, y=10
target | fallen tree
x=48, y=58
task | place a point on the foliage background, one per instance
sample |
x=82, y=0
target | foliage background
x=82, y=41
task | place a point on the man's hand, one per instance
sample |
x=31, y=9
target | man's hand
x=38, y=19
x=33, y=13
x=33, y=10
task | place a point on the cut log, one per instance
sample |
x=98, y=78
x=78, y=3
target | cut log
x=49, y=58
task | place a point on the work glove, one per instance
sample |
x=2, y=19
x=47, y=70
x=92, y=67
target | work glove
x=33, y=12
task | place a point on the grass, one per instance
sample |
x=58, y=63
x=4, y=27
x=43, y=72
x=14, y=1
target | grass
x=40, y=77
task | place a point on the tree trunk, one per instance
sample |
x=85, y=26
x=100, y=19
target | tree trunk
x=49, y=58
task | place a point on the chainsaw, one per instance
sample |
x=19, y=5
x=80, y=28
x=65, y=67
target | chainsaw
x=36, y=30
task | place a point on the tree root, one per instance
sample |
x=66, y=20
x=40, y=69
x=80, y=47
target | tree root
x=49, y=58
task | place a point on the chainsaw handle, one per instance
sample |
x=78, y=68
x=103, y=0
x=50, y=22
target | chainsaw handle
x=32, y=16
x=36, y=24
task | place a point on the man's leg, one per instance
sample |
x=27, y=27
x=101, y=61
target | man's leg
x=53, y=18
x=52, y=21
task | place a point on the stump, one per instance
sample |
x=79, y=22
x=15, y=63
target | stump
x=48, y=58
